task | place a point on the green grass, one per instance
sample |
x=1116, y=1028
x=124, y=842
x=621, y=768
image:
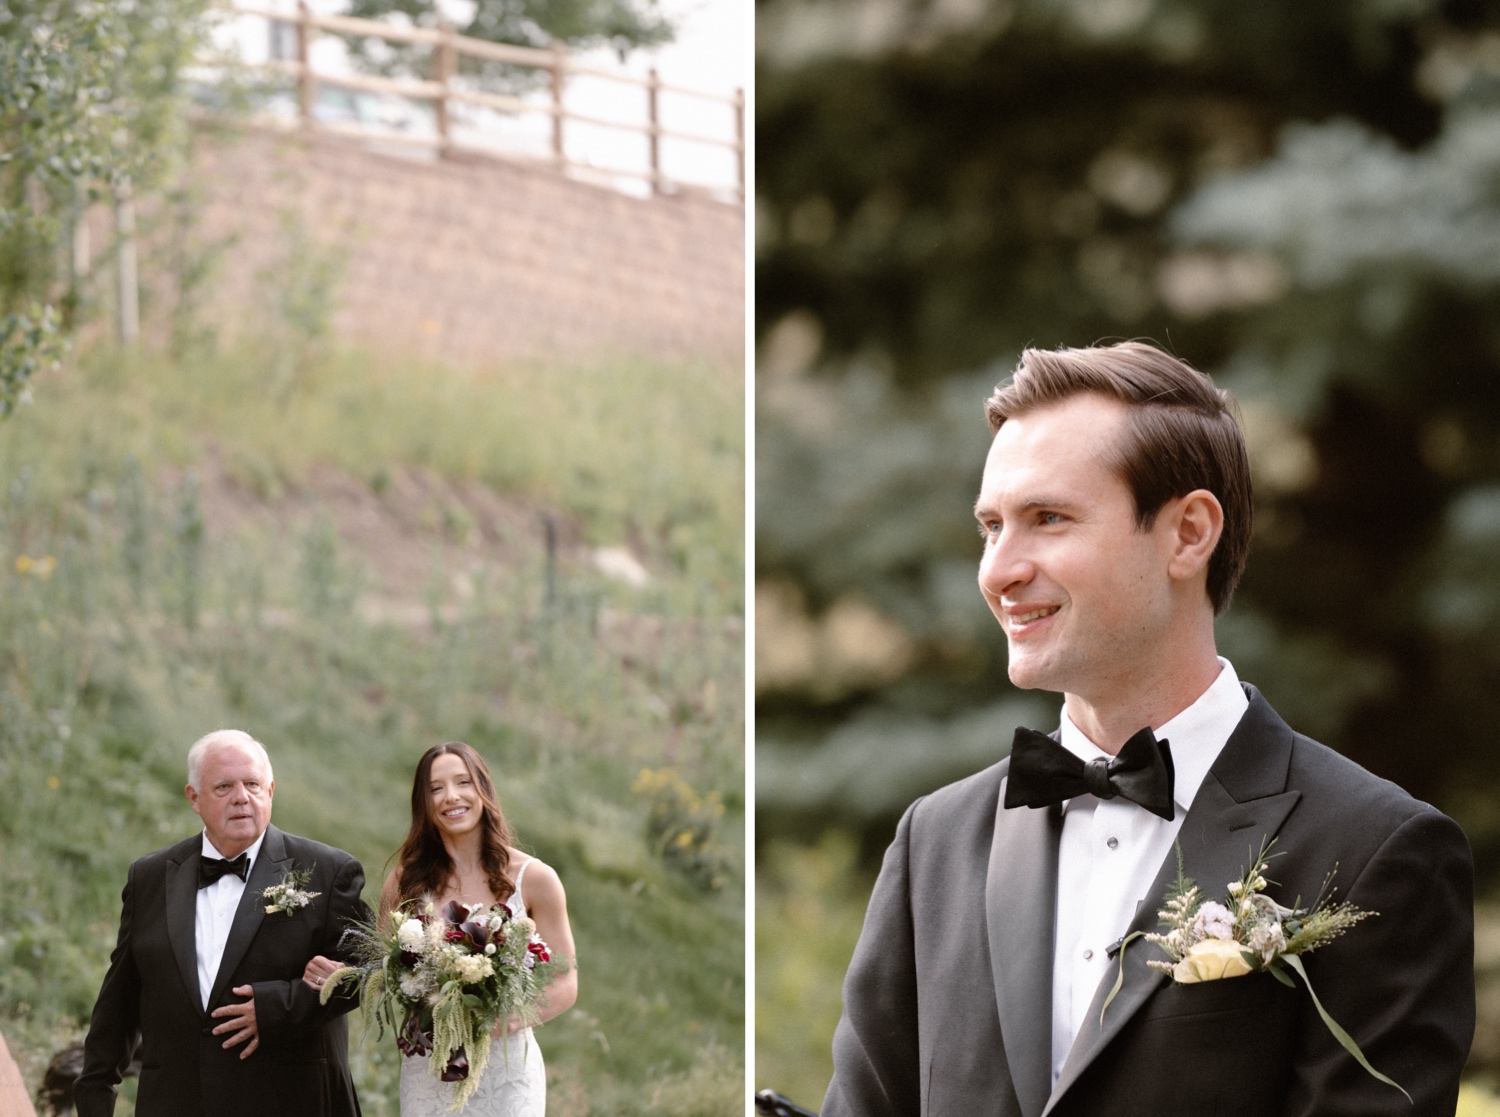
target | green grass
x=632, y=449
x=126, y=631
x=810, y=903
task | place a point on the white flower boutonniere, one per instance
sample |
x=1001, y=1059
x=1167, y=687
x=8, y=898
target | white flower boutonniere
x=1249, y=932
x=290, y=894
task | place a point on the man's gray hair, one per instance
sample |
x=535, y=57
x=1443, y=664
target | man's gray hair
x=223, y=738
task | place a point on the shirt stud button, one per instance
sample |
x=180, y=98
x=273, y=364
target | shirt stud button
x=1113, y=843
x=1088, y=955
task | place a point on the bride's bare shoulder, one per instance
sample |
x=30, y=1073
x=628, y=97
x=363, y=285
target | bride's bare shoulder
x=390, y=892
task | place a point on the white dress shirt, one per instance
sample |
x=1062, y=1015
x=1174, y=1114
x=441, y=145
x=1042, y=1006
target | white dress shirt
x=1112, y=849
x=216, y=907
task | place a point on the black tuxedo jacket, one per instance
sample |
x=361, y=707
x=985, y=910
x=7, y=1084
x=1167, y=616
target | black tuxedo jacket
x=948, y=999
x=301, y=1068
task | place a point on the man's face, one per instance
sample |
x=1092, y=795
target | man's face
x=233, y=798
x=1083, y=596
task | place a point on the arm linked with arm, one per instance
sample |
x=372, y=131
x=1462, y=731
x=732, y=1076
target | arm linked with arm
x=284, y=1006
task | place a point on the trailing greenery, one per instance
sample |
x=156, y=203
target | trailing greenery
x=128, y=628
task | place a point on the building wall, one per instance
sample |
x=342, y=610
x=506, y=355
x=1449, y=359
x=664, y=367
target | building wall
x=472, y=261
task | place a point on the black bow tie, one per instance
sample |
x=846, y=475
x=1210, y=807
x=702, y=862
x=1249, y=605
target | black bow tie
x=1042, y=772
x=211, y=869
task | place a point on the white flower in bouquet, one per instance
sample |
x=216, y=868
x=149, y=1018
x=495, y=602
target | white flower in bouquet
x=524, y=927
x=414, y=986
x=413, y=936
x=1268, y=940
x=1213, y=921
x=474, y=968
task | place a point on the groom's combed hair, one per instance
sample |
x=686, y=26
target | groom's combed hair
x=422, y=863
x=1182, y=434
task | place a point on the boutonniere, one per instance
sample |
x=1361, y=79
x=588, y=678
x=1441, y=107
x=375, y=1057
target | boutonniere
x=1248, y=932
x=290, y=894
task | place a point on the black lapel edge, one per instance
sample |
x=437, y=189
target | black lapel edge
x=1020, y=915
x=251, y=912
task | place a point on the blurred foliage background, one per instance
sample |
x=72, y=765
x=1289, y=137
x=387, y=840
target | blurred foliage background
x=1302, y=200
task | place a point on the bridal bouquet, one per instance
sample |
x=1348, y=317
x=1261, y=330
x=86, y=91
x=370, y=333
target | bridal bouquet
x=1249, y=932
x=448, y=977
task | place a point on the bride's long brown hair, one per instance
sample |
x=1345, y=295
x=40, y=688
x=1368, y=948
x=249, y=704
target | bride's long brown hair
x=423, y=862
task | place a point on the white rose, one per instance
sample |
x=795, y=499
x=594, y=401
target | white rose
x=1211, y=960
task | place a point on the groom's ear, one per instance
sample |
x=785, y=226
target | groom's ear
x=1193, y=525
x=192, y=797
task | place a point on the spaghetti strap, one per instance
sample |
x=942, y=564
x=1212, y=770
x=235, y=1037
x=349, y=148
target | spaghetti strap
x=515, y=893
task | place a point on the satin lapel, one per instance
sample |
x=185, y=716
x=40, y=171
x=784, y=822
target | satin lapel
x=1241, y=803
x=1020, y=910
x=181, y=886
x=267, y=870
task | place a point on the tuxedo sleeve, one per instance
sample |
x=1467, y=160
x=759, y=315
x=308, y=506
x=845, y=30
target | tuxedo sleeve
x=112, y=1029
x=875, y=1071
x=283, y=1007
x=1401, y=982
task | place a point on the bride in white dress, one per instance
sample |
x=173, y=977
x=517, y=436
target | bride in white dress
x=459, y=848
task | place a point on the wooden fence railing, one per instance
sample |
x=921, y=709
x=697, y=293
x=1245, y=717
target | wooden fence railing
x=443, y=90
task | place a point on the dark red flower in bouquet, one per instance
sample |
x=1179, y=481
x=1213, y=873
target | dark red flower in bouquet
x=540, y=950
x=458, y=1067
x=454, y=912
x=413, y=1039
x=408, y=959
x=477, y=934
x=453, y=934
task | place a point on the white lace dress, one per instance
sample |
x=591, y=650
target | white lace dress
x=514, y=1082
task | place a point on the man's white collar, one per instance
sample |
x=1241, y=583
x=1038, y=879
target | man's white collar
x=1197, y=735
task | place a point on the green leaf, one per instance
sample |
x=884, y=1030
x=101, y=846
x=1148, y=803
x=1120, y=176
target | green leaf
x=1344, y=1038
x=1120, y=977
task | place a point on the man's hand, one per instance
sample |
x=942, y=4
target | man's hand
x=240, y=1022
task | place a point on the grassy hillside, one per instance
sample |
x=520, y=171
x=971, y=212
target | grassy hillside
x=156, y=585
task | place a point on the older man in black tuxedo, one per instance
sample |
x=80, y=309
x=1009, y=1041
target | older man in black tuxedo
x=1115, y=511
x=210, y=979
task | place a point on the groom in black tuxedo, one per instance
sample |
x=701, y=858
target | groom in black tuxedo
x=209, y=979
x=1115, y=511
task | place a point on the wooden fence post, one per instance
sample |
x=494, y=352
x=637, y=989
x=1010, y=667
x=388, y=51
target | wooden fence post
x=445, y=66
x=739, y=137
x=559, y=75
x=653, y=113
x=127, y=287
x=307, y=89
